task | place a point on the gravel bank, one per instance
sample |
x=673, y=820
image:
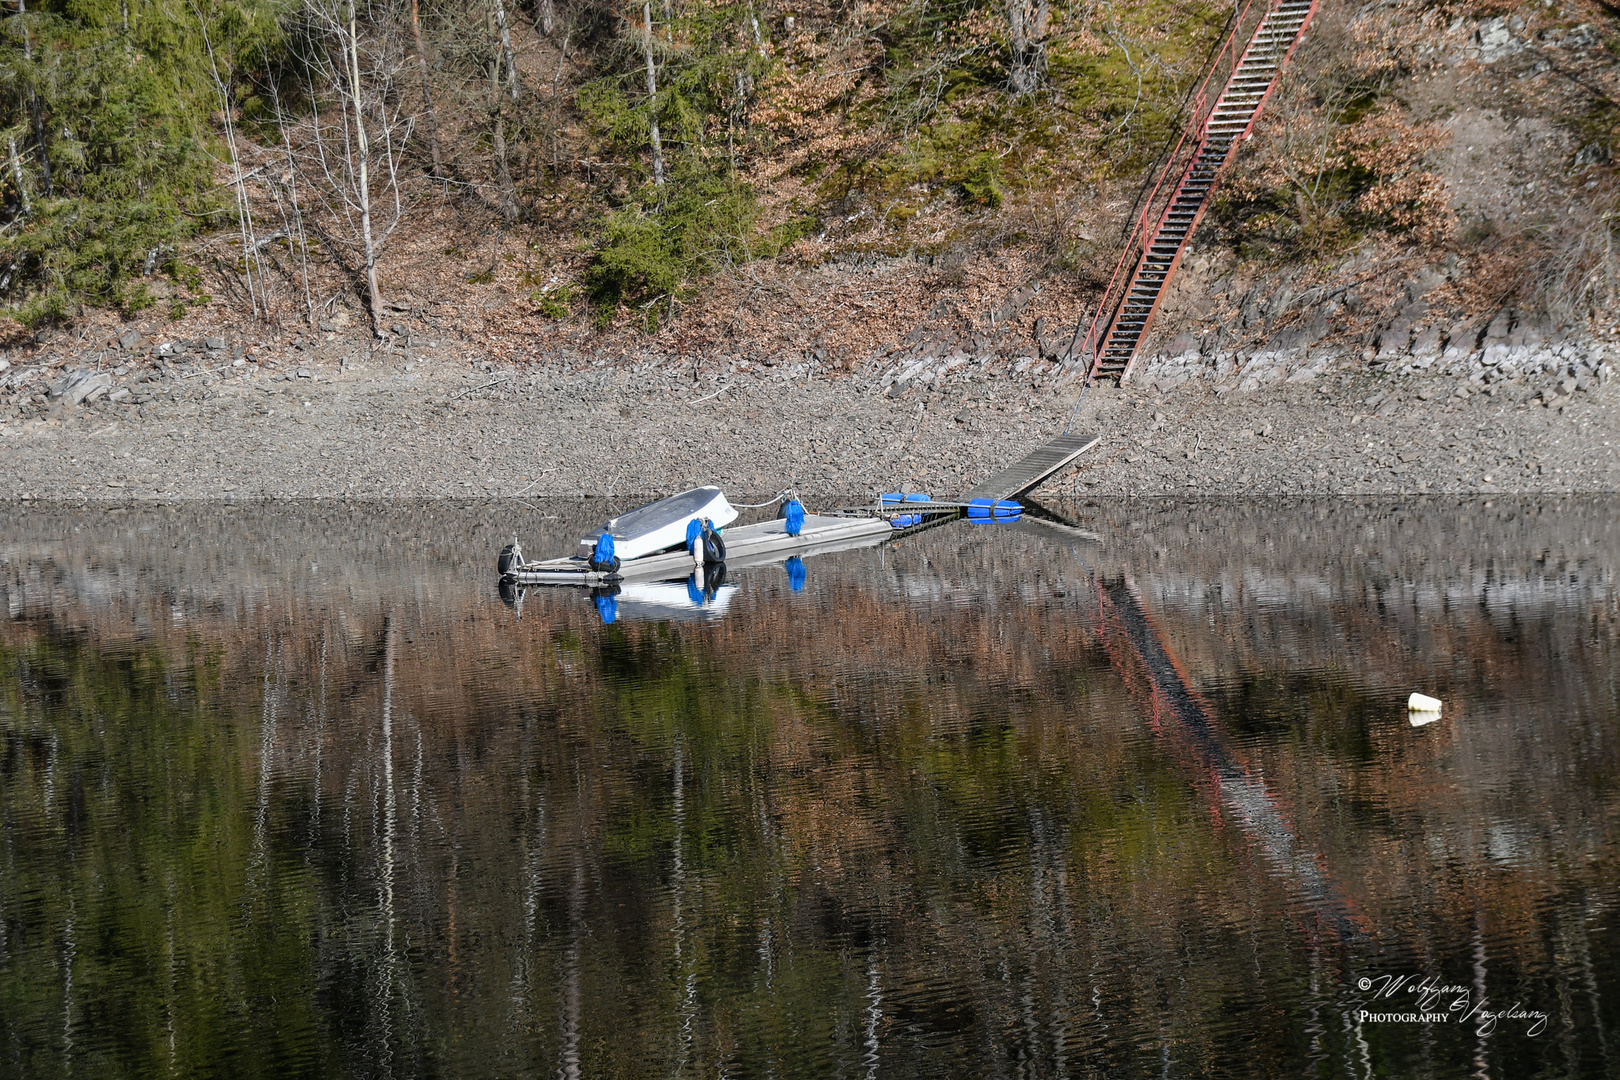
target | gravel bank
x=413, y=425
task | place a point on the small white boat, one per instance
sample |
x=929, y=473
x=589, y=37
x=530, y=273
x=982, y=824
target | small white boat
x=661, y=525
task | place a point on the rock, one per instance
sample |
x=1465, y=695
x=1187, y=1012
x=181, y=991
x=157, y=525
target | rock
x=1497, y=329
x=305, y=373
x=1424, y=282
x=67, y=382
x=80, y=385
x=1428, y=341
x=1496, y=40
x=131, y=340
x=1393, y=339
x=1295, y=337
x=214, y=344
x=1584, y=36
x=1527, y=333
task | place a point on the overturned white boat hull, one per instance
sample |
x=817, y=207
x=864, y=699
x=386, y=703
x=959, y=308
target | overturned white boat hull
x=661, y=525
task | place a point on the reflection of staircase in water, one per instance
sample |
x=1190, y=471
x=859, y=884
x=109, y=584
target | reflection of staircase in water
x=1188, y=179
x=1245, y=796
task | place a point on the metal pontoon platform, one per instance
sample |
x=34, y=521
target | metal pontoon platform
x=746, y=545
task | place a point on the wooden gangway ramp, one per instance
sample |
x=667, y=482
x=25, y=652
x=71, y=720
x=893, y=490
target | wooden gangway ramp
x=1037, y=467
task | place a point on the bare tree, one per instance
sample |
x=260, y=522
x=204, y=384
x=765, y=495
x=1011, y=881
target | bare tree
x=427, y=93
x=652, y=93
x=35, y=113
x=507, y=199
x=295, y=227
x=562, y=58
x=17, y=174
x=506, y=47
x=1026, y=43
x=258, y=299
x=343, y=162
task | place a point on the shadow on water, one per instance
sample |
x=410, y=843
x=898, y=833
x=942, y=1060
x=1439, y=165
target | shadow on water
x=289, y=789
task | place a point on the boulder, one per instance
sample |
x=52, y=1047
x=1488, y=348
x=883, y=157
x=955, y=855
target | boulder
x=80, y=384
x=1496, y=40
x=1429, y=341
x=1394, y=338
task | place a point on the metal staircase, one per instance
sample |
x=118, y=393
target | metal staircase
x=1170, y=214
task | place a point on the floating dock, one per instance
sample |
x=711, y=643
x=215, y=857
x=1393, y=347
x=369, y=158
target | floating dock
x=746, y=545
x=768, y=541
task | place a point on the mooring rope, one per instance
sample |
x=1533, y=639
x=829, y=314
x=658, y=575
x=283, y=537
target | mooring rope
x=768, y=502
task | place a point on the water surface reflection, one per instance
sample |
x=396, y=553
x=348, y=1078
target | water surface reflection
x=289, y=789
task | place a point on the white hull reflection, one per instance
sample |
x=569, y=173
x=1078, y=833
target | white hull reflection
x=677, y=601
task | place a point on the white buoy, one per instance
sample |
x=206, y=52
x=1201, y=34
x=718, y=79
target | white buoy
x=1422, y=703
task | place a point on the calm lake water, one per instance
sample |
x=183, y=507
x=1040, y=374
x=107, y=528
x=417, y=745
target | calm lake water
x=289, y=789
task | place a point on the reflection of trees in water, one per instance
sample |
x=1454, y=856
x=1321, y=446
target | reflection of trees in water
x=853, y=836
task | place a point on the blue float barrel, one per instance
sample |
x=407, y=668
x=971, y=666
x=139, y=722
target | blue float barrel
x=984, y=510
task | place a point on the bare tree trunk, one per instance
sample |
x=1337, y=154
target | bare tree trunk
x=652, y=95
x=34, y=112
x=562, y=57
x=298, y=211
x=1026, y=41
x=506, y=196
x=17, y=175
x=244, y=211
x=427, y=93
x=503, y=174
x=759, y=39
x=363, y=185
x=548, y=17
x=506, y=48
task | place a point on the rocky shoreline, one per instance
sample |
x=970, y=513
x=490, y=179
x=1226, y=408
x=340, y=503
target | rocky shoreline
x=222, y=418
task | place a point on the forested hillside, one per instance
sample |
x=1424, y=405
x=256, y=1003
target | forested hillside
x=592, y=166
